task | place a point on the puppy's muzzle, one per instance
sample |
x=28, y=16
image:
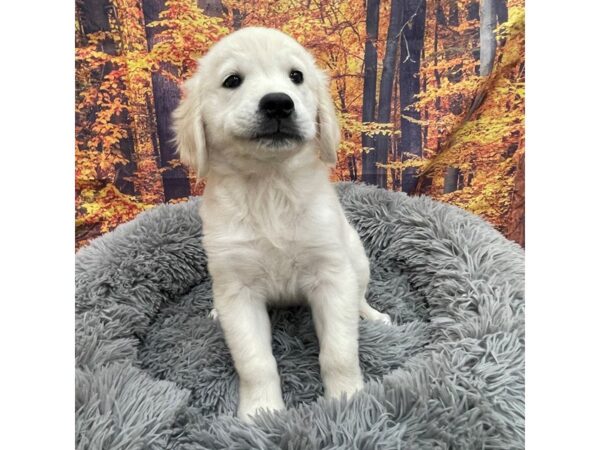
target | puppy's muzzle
x=276, y=105
x=277, y=125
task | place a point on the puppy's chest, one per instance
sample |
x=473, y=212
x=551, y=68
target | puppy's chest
x=270, y=242
x=262, y=242
x=258, y=220
x=276, y=221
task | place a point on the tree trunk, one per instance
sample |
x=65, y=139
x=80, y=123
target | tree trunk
x=410, y=63
x=396, y=173
x=166, y=97
x=451, y=179
x=473, y=10
x=211, y=8
x=94, y=17
x=440, y=19
x=455, y=74
x=487, y=37
x=426, y=126
x=147, y=178
x=369, y=91
x=352, y=167
x=501, y=14
x=473, y=14
x=490, y=12
x=384, y=110
x=516, y=213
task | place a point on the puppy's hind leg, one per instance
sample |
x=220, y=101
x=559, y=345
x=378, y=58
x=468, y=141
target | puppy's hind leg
x=369, y=313
x=361, y=267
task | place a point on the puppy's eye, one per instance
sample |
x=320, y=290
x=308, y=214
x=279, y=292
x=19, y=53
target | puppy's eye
x=296, y=77
x=232, y=81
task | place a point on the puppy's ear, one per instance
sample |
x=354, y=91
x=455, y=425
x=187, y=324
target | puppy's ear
x=328, y=128
x=189, y=130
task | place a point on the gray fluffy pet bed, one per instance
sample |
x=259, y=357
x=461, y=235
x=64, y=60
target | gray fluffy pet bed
x=153, y=370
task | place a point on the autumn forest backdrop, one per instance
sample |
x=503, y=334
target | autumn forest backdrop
x=430, y=96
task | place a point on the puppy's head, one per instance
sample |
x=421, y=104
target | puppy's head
x=258, y=94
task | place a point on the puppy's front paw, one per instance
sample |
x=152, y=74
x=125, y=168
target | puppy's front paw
x=257, y=394
x=337, y=387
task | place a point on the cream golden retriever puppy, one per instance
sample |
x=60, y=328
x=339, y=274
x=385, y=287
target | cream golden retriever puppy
x=258, y=122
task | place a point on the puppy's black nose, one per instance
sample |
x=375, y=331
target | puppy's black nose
x=276, y=105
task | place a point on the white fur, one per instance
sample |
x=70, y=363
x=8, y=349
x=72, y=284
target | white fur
x=274, y=230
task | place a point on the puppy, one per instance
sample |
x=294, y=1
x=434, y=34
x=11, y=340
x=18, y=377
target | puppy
x=258, y=122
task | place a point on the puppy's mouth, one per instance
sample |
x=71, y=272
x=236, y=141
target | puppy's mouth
x=278, y=133
x=277, y=136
